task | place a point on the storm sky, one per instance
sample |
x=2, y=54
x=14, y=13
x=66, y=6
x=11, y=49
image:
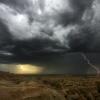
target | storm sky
x=50, y=33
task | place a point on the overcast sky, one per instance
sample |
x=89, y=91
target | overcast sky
x=49, y=33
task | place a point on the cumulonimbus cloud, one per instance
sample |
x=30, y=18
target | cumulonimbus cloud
x=70, y=27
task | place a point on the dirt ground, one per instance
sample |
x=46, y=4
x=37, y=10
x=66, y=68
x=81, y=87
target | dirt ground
x=49, y=87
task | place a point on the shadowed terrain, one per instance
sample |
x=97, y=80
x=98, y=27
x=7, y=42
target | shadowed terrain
x=49, y=87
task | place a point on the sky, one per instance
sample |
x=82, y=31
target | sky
x=51, y=34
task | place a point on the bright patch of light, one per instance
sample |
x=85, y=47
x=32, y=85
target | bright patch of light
x=51, y=6
x=19, y=18
x=57, y=5
x=39, y=12
x=28, y=69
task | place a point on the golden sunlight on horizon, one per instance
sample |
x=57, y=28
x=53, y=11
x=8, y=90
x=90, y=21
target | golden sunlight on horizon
x=28, y=69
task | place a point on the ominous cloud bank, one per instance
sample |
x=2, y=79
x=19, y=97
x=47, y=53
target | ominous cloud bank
x=28, y=27
x=38, y=30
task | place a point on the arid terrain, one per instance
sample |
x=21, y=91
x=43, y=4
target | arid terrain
x=49, y=87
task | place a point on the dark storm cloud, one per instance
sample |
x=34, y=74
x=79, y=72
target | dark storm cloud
x=75, y=17
x=20, y=4
x=49, y=33
x=5, y=37
x=82, y=40
x=26, y=36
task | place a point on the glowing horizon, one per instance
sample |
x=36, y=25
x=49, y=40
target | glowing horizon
x=28, y=69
